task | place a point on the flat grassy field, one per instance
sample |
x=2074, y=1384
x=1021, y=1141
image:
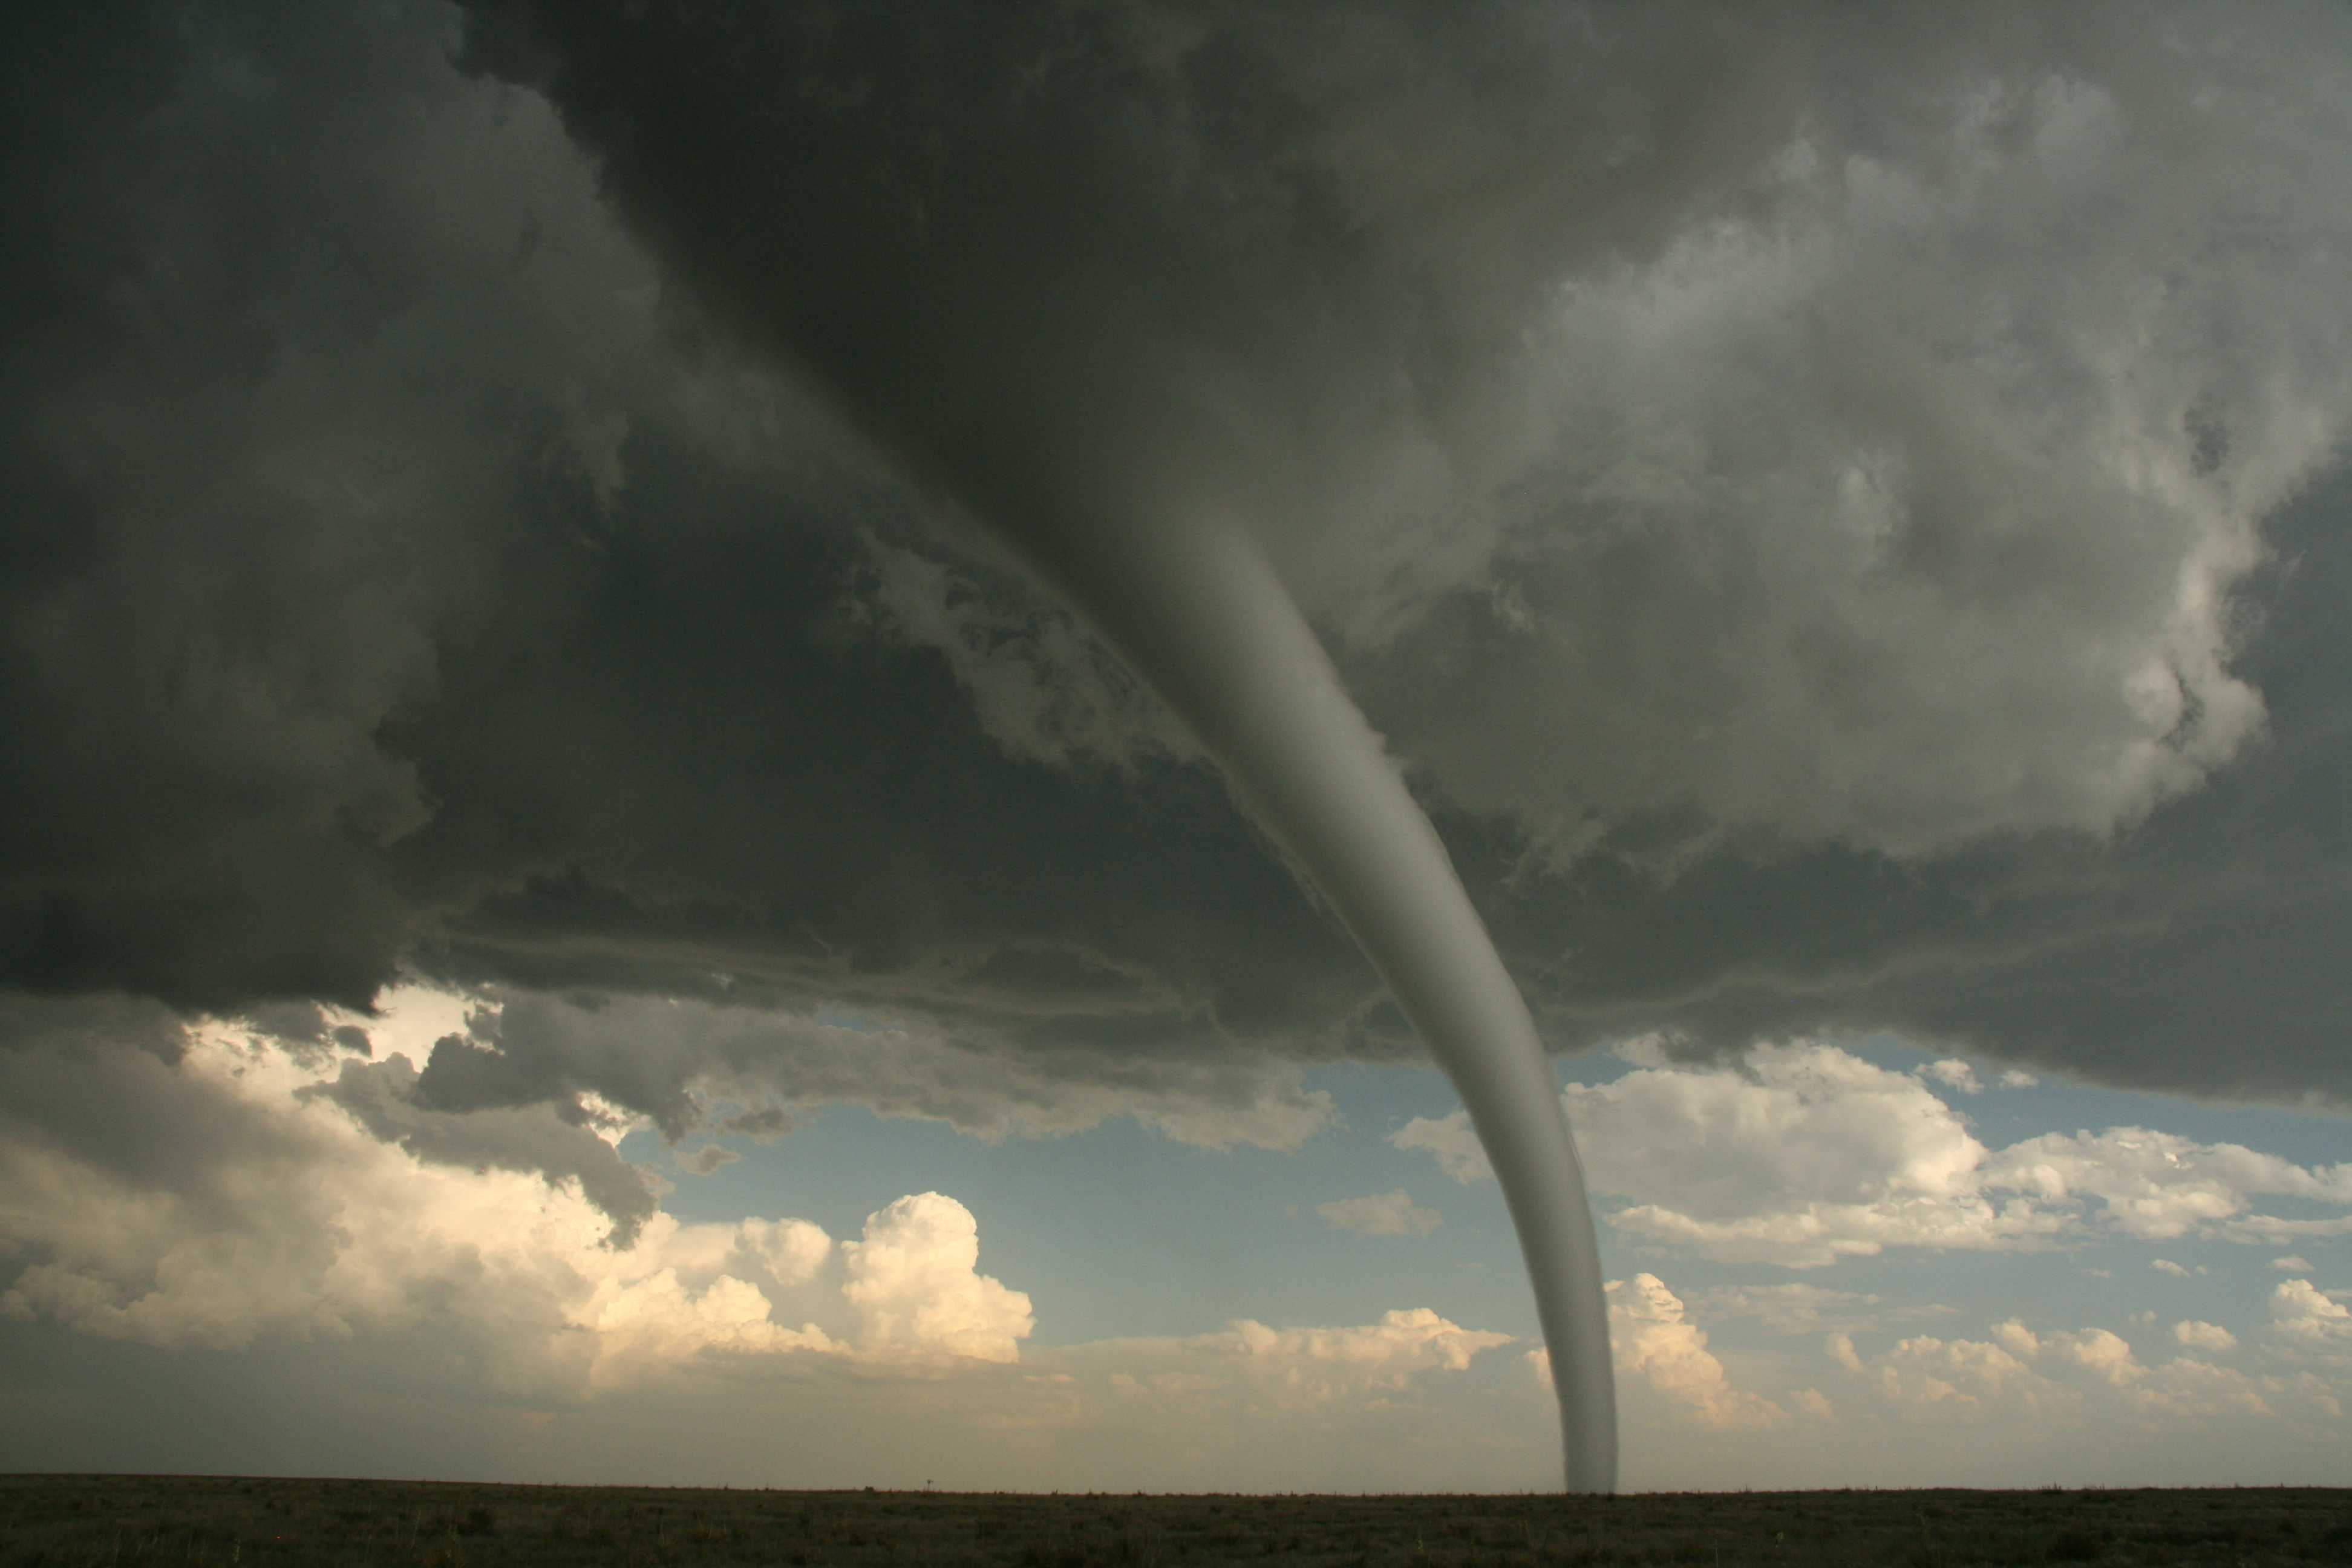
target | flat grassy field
x=60, y=1520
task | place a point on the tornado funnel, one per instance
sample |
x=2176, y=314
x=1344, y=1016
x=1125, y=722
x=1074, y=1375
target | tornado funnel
x=1200, y=613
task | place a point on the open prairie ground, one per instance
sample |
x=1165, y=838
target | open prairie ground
x=65, y=1520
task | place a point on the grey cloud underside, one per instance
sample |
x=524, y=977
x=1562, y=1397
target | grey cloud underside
x=2192, y=955
x=336, y=652
x=396, y=571
x=682, y=1063
x=94, y=1076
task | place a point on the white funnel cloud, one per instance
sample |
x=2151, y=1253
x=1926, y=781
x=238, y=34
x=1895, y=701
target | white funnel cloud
x=1202, y=614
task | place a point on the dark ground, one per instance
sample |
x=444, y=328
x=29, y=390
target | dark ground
x=77, y=1519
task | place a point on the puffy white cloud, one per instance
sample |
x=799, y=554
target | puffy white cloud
x=2300, y=1310
x=2157, y=1185
x=2196, y=1335
x=1300, y=1366
x=2293, y=1264
x=659, y=1319
x=2186, y=1387
x=1800, y=1154
x=1954, y=1074
x=1807, y=1309
x=2064, y=1374
x=914, y=1283
x=2077, y=1381
x=2166, y=1266
x=1972, y=1377
x=1656, y=1339
x=1385, y=1214
x=2017, y=1078
x=2100, y=1352
x=2271, y=1230
x=305, y=1225
x=790, y=1252
x=2017, y=1338
x=1451, y=1141
x=2071, y=1376
x=1801, y=1116
x=1385, y=1354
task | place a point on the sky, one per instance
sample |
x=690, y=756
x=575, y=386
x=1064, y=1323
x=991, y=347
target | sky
x=590, y=892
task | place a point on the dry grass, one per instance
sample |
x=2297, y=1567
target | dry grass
x=65, y=1521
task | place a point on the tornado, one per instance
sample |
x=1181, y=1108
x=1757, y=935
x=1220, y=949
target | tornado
x=1199, y=611
x=1065, y=285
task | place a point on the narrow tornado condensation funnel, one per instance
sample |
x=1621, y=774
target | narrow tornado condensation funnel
x=1203, y=615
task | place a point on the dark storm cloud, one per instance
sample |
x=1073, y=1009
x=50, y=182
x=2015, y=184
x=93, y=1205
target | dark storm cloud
x=1872, y=681
x=304, y=1029
x=262, y=400
x=473, y=610
x=2199, y=953
x=691, y=1065
x=400, y=566
x=1850, y=427
x=679, y=765
x=84, y=1024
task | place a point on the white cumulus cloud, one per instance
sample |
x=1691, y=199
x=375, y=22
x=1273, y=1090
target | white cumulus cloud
x=915, y=1284
x=308, y=1226
x=1803, y=1152
x=1807, y=1309
x=1450, y=1142
x=1954, y=1074
x=1656, y=1339
x=1384, y=1214
x=1293, y=1367
x=2210, y=1338
x=2299, y=1310
x=2054, y=1382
